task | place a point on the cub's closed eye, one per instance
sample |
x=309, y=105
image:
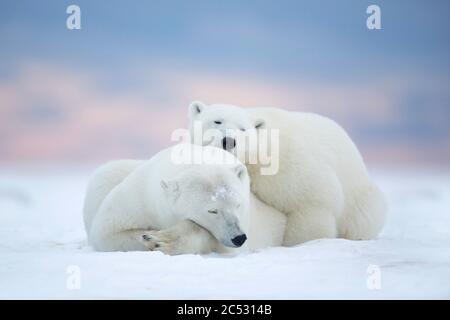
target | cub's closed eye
x=218, y=122
x=213, y=211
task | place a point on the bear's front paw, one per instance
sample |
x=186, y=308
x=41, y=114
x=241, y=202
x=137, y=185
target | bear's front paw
x=165, y=241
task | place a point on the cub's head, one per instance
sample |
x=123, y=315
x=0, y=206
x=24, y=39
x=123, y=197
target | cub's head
x=215, y=197
x=225, y=126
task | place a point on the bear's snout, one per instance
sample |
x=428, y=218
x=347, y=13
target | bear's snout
x=228, y=143
x=239, y=240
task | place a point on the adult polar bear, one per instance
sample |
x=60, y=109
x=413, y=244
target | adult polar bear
x=322, y=184
x=173, y=204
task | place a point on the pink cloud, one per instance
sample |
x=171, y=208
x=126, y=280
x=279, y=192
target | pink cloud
x=100, y=124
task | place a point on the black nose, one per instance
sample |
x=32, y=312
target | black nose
x=228, y=143
x=239, y=240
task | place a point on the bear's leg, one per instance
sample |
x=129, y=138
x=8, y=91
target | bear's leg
x=316, y=216
x=127, y=240
x=364, y=215
x=183, y=238
x=314, y=224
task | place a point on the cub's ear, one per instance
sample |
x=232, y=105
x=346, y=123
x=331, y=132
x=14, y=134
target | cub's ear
x=195, y=108
x=240, y=171
x=171, y=187
x=259, y=124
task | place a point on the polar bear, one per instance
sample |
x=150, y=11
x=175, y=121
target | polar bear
x=161, y=204
x=320, y=182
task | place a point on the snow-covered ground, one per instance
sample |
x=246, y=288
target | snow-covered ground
x=43, y=252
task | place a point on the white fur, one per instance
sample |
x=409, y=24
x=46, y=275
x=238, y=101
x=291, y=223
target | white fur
x=322, y=184
x=126, y=201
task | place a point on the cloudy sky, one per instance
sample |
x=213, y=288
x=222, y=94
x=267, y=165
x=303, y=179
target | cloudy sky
x=119, y=86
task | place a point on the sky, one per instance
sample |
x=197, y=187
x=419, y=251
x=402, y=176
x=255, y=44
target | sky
x=121, y=84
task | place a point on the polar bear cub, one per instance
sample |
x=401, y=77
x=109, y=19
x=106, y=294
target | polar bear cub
x=312, y=171
x=176, y=208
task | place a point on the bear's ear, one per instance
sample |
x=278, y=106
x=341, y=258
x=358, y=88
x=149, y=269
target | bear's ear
x=240, y=171
x=259, y=124
x=195, y=108
x=171, y=187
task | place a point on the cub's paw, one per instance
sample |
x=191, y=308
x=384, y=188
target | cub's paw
x=166, y=241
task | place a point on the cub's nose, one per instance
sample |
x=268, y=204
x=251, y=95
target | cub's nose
x=228, y=143
x=239, y=240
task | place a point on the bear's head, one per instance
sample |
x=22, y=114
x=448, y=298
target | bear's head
x=225, y=126
x=215, y=196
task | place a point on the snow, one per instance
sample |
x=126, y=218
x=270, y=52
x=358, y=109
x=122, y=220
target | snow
x=42, y=248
